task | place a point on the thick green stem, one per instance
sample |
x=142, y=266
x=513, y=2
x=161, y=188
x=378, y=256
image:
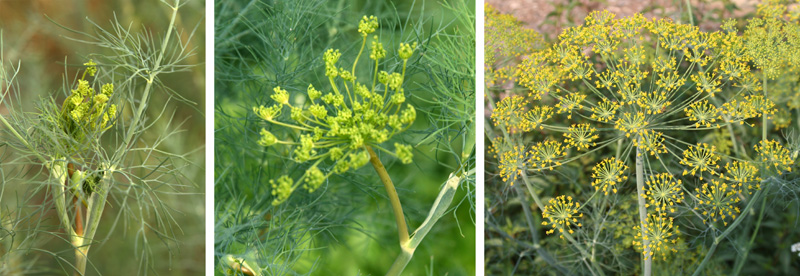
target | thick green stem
x=397, y=208
x=648, y=262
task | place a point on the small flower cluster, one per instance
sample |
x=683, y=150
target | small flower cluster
x=717, y=200
x=661, y=234
x=663, y=191
x=774, y=155
x=341, y=125
x=607, y=174
x=561, y=213
x=87, y=111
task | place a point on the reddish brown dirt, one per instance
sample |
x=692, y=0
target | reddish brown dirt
x=548, y=17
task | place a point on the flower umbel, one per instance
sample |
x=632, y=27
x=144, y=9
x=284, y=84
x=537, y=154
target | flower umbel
x=339, y=125
x=661, y=233
x=607, y=174
x=561, y=214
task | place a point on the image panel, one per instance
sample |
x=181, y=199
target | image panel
x=344, y=137
x=642, y=138
x=102, y=137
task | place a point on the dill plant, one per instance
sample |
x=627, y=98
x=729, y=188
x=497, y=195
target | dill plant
x=628, y=106
x=96, y=153
x=308, y=97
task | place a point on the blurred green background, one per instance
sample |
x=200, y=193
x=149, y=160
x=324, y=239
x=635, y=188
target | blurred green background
x=33, y=38
x=347, y=226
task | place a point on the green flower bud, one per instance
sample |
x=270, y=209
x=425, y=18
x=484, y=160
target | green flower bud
x=395, y=81
x=313, y=94
x=359, y=159
x=398, y=98
x=281, y=189
x=280, y=96
x=313, y=179
x=346, y=75
x=267, y=113
x=330, y=57
x=297, y=114
x=92, y=69
x=318, y=111
x=406, y=50
x=341, y=167
x=378, y=52
x=383, y=77
x=100, y=98
x=107, y=89
x=403, y=153
x=267, y=138
x=367, y=25
x=408, y=115
x=336, y=153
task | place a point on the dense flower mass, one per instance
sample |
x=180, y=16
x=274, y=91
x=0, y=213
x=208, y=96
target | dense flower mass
x=340, y=125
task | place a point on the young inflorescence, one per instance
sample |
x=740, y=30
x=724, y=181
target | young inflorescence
x=339, y=125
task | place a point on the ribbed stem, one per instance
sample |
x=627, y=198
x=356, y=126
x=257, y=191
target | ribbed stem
x=648, y=262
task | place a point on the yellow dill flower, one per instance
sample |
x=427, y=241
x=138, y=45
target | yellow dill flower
x=738, y=111
x=607, y=174
x=761, y=105
x=581, y=136
x=547, y=154
x=535, y=117
x=604, y=111
x=717, y=200
x=631, y=123
x=670, y=81
x=706, y=83
x=505, y=39
x=782, y=119
x=537, y=75
x=701, y=157
x=703, y=114
x=650, y=141
x=509, y=112
x=663, y=191
x=773, y=154
x=561, y=213
x=569, y=103
x=660, y=232
x=743, y=173
x=511, y=163
x=654, y=102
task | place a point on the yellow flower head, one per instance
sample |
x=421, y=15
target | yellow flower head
x=561, y=214
x=661, y=234
x=607, y=174
x=663, y=191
